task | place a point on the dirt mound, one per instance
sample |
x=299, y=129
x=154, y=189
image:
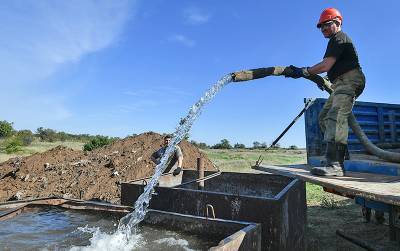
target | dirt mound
x=88, y=175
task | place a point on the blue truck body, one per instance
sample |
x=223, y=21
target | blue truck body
x=381, y=123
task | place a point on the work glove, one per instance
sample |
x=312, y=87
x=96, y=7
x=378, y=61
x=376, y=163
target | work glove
x=239, y=76
x=177, y=171
x=296, y=72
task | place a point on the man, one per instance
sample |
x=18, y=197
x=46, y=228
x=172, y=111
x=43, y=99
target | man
x=344, y=71
x=176, y=158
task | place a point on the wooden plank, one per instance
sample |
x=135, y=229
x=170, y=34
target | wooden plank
x=375, y=187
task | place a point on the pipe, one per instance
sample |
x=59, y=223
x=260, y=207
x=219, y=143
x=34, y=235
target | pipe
x=200, y=169
x=325, y=85
x=306, y=106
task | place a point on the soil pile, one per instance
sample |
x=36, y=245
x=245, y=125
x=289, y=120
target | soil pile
x=88, y=175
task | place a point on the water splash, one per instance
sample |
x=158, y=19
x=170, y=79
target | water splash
x=127, y=223
x=102, y=241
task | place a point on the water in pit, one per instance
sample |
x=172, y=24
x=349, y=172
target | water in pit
x=58, y=229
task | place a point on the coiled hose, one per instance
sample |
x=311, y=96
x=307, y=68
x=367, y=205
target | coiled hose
x=325, y=85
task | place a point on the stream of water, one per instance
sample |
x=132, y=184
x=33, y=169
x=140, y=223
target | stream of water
x=124, y=237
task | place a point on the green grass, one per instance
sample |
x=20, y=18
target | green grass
x=241, y=160
x=38, y=147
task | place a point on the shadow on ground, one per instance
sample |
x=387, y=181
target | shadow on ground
x=325, y=219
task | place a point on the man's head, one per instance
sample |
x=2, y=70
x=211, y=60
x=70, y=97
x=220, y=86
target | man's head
x=167, y=139
x=330, y=22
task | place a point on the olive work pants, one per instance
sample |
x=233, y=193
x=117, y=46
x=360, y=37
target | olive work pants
x=333, y=118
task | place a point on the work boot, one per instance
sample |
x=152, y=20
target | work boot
x=332, y=166
x=341, y=154
x=347, y=153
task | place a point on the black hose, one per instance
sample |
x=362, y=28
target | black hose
x=326, y=85
x=369, y=146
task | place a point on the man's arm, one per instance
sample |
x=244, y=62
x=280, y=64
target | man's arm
x=155, y=158
x=297, y=72
x=179, y=155
x=180, y=161
x=323, y=66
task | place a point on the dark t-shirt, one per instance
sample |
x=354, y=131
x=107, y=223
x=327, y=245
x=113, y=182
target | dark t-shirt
x=342, y=48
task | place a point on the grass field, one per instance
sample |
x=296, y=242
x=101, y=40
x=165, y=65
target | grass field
x=241, y=160
x=38, y=147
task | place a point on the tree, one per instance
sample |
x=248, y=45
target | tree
x=63, y=136
x=6, y=129
x=224, y=144
x=256, y=144
x=276, y=146
x=46, y=134
x=200, y=145
x=239, y=146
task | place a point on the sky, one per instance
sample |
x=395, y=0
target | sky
x=119, y=68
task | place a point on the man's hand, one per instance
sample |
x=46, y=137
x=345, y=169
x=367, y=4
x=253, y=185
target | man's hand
x=177, y=171
x=295, y=72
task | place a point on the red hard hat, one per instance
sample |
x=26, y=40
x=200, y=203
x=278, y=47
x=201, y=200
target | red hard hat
x=328, y=15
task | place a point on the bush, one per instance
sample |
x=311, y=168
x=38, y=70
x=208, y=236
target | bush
x=293, y=147
x=258, y=145
x=25, y=136
x=200, y=145
x=6, y=129
x=276, y=146
x=96, y=142
x=224, y=144
x=46, y=134
x=62, y=136
x=239, y=146
x=13, y=145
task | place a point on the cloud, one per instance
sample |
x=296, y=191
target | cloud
x=195, y=16
x=179, y=38
x=37, y=37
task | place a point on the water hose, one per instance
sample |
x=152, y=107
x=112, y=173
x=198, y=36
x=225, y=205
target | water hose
x=323, y=84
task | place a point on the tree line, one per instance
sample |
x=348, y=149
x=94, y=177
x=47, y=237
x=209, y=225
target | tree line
x=13, y=140
x=225, y=144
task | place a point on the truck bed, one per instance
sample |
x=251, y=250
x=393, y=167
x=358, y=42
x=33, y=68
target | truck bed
x=377, y=187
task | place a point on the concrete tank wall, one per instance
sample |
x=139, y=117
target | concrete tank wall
x=281, y=208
